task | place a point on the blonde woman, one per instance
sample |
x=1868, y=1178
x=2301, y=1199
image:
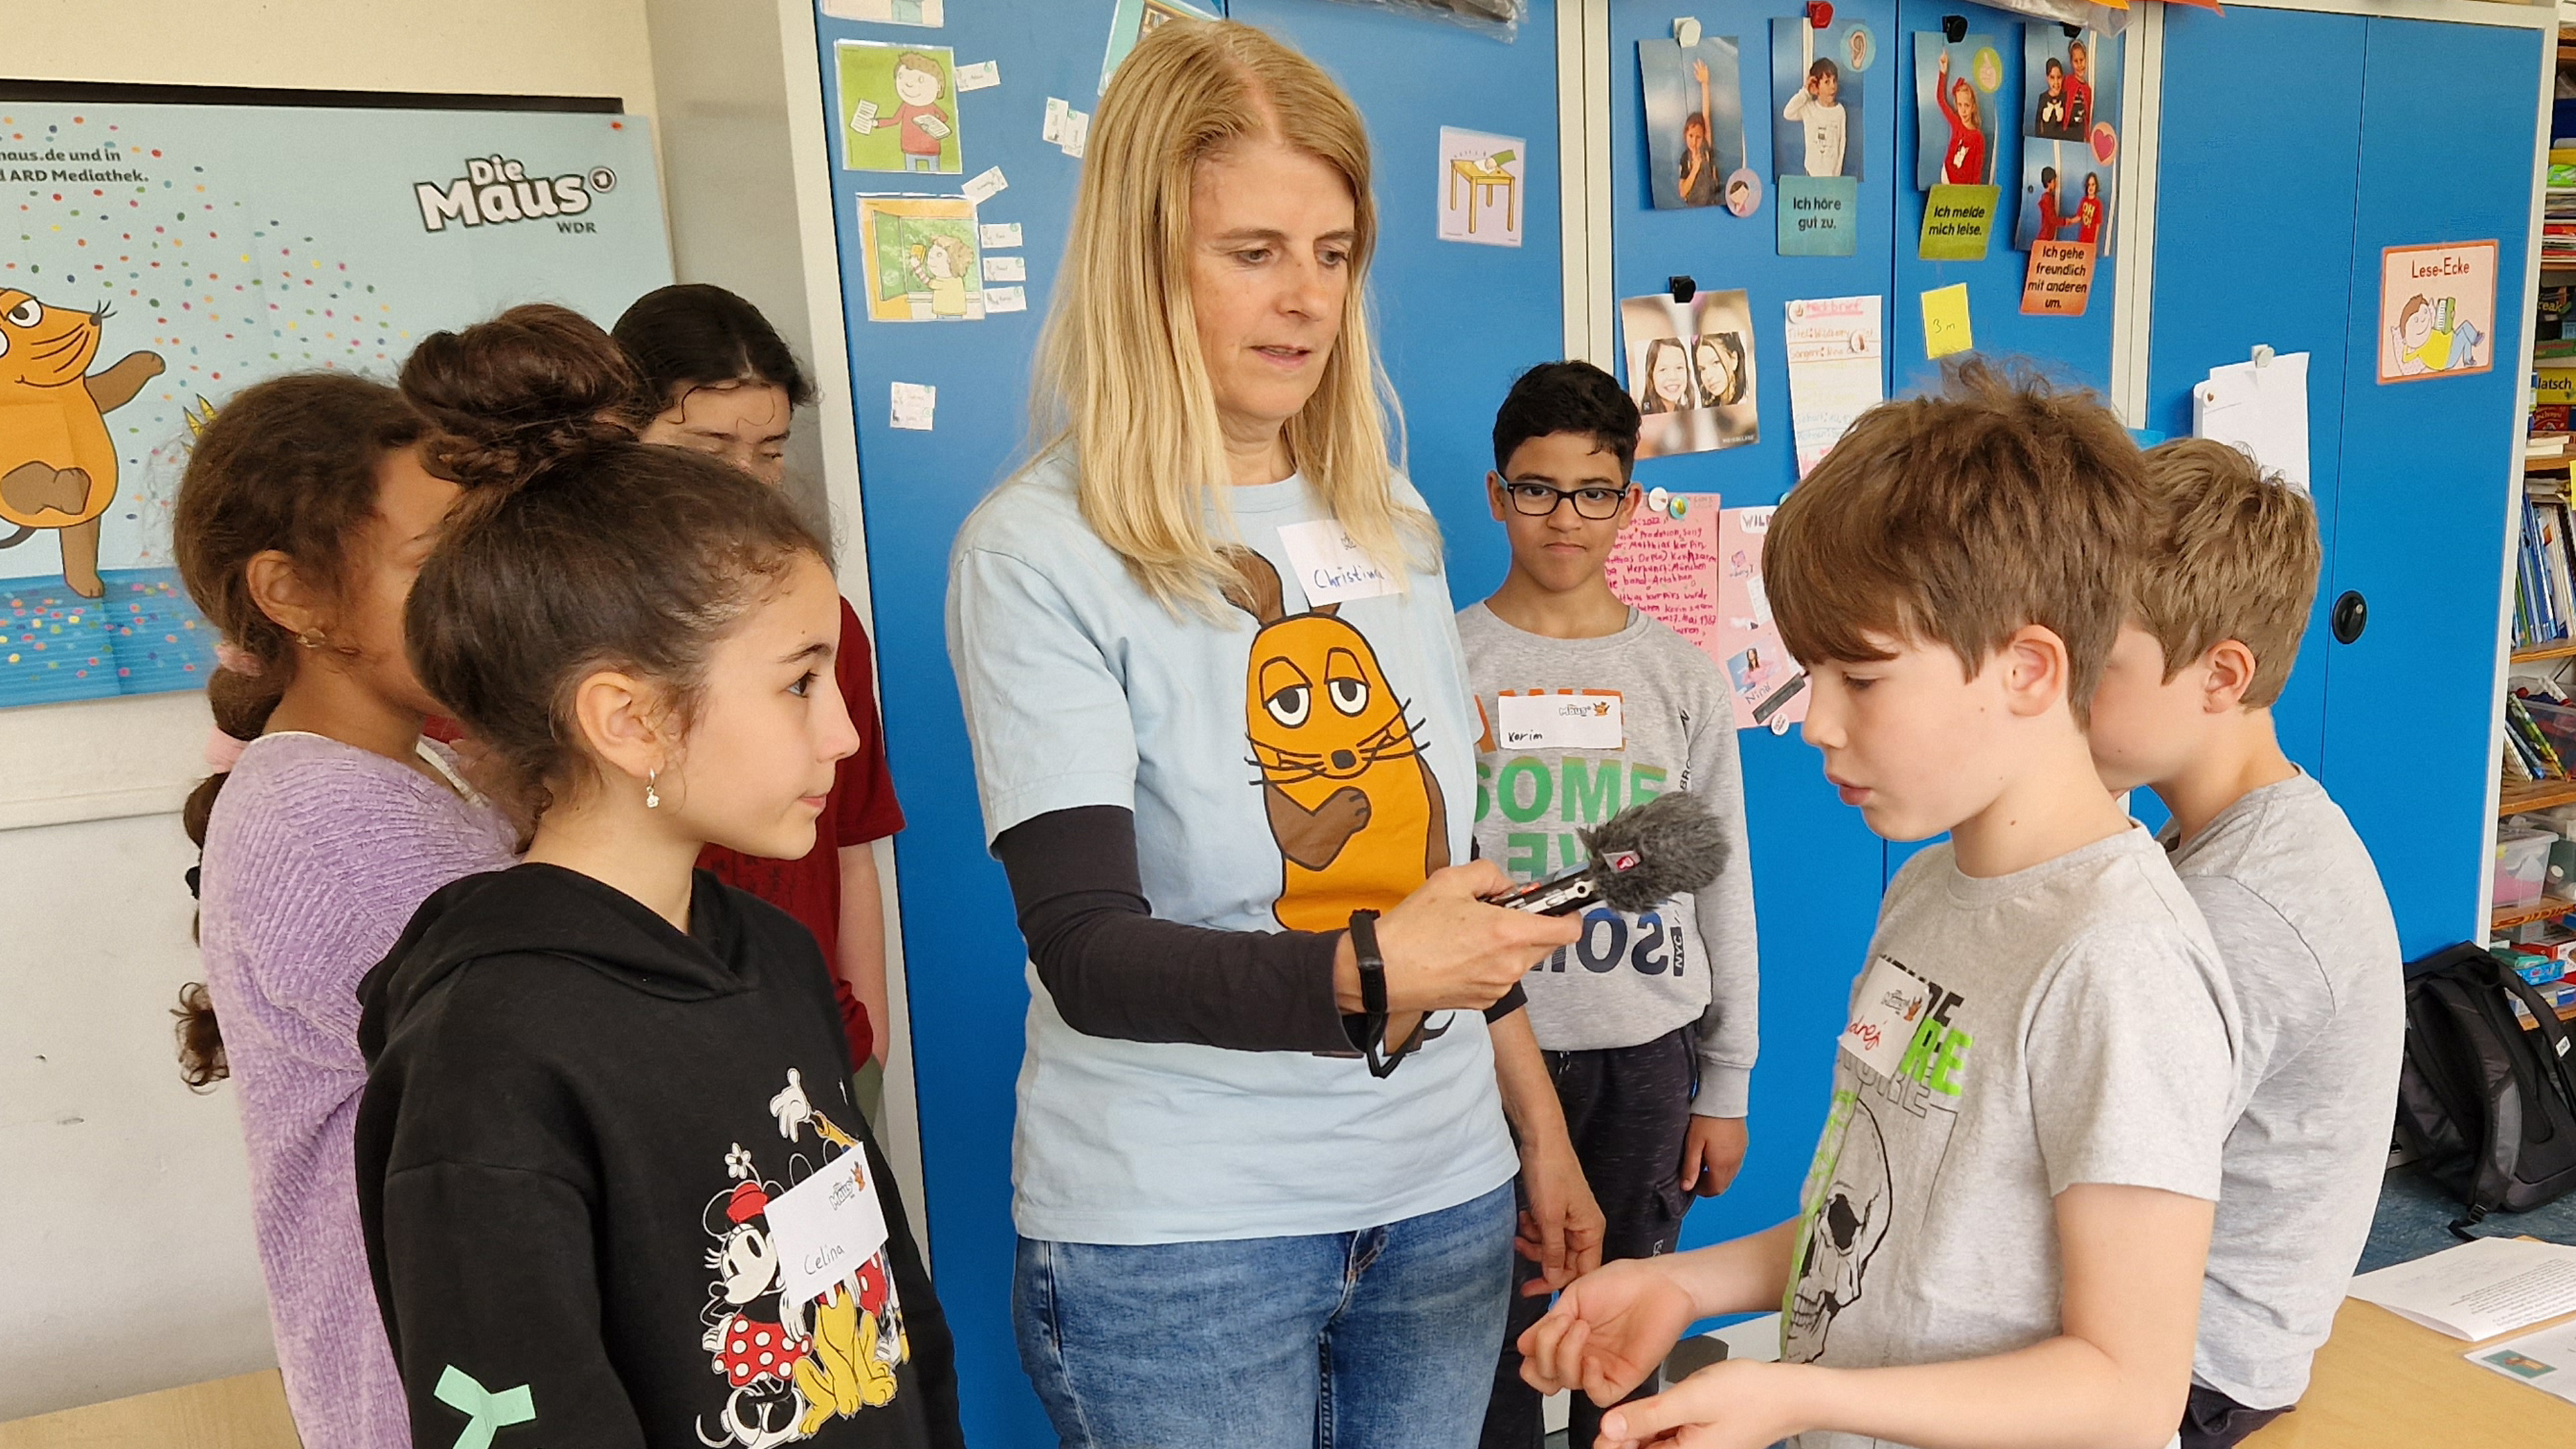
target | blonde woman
x=1262, y=1174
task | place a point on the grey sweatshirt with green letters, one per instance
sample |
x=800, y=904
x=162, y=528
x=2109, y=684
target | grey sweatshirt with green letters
x=1631, y=978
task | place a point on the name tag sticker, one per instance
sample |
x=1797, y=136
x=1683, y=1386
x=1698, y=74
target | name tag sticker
x=1331, y=569
x=826, y=1228
x=1586, y=721
x=1883, y=1017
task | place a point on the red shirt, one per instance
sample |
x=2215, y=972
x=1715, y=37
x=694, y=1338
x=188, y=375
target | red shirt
x=2088, y=219
x=2049, y=221
x=861, y=808
x=1965, y=163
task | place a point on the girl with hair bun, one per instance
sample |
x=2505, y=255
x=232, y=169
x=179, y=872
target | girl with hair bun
x=301, y=519
x=721, y=381
x=595, y=1079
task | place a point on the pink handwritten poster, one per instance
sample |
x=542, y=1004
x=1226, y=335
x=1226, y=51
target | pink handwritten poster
x=1699, y=573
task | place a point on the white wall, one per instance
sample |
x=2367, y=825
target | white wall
x=123, y=1198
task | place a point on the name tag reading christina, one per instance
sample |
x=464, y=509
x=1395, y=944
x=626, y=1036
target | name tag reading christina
x=826, y=1227
x=1589, y=720
x=1330, y=567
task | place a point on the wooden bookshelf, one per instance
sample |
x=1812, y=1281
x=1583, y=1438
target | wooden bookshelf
x=2520, y=795
x=2546, y=465
x=2505, y=918
x=2566, y=650
x=2565, y=1013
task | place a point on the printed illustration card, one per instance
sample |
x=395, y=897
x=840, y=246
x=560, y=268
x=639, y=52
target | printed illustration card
x=1480, y=187
x=921, y=256
x=898, y=107
x=2436, y=310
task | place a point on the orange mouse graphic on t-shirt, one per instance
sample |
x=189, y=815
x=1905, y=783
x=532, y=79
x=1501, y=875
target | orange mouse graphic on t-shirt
x=57, y=463
x=1352, y=803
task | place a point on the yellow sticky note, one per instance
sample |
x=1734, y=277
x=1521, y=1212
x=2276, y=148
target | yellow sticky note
x=1945, y=321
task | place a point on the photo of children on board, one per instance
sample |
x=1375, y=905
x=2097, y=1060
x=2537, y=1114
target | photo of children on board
x=1694, y=119
x=1816, y=99
x=1956, y=109
x=1690, y=369
x=2061, y=69
x=2065, y=196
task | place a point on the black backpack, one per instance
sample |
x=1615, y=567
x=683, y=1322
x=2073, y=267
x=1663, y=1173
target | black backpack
x=2488, y=1107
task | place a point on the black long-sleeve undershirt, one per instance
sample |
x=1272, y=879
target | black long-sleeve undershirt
x=1115, y=970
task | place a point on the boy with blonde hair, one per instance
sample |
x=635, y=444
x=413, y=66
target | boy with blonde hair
x=2002, y=1238
x=2292, y=901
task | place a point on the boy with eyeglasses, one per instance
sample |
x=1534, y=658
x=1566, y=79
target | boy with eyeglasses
x=1648, y=1023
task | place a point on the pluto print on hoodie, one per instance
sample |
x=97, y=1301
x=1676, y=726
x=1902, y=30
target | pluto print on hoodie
x=579, y=1127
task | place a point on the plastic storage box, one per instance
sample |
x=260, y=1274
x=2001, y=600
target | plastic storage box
x=2521, y=864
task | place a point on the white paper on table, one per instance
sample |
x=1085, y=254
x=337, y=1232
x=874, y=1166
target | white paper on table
x=982, y=75
x=2545, y=1360
x=1836, y=352
x=998, y=234
x=2479, y=1289
x=2260, y=408
x=1006, y=269
x=914, y=405
x=982, y=186
x=1005, y=299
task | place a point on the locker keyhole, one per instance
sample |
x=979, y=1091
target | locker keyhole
x=2351, y=616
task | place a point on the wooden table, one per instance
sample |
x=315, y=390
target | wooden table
x=2384, y=1383
x=248, y=1412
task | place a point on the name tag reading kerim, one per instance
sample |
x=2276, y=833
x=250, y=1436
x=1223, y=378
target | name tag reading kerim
x=1331, y=569
x=826, y=1227
x=1587, y=721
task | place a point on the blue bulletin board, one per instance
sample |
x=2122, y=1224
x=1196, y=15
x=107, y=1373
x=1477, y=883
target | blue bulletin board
x=173, y=254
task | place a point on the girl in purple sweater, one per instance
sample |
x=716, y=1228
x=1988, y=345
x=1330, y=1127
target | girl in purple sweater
x=303, y=516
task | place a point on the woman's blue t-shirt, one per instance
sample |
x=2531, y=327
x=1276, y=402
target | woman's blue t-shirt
x=1081, y=689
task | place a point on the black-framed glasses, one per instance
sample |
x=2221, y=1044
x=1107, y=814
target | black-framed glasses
x=1539, y=500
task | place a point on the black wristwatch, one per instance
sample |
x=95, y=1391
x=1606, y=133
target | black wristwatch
x=1373, y=997
x=1372, y=964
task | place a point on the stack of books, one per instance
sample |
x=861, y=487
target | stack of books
x=2544, y=611
x=2558, y=213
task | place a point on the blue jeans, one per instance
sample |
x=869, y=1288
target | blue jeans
x=1378, y=1339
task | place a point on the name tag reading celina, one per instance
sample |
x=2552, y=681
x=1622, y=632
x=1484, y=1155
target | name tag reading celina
x=1885, y=1015
x=1331, y=569
x=826, y=1227
x=1585, y=720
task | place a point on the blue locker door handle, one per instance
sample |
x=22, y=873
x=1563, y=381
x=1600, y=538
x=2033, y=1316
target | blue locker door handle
x=2351, y=616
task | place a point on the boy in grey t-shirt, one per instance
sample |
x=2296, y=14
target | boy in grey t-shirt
x=2003, y=1235
x=1648, y=1021
x=2293, y=902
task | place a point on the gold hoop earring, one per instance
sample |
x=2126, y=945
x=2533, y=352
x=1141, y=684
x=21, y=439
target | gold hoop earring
x=652, y=792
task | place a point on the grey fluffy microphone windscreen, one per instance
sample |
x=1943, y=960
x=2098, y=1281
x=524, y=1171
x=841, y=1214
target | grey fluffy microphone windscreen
x=1640, y=857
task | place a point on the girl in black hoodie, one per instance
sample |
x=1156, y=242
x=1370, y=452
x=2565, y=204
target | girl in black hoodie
x=599, y=1081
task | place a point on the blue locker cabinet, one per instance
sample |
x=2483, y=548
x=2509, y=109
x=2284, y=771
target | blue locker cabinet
x=2281, y=245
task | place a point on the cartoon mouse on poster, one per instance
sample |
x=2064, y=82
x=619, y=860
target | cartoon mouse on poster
x=57, y=463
